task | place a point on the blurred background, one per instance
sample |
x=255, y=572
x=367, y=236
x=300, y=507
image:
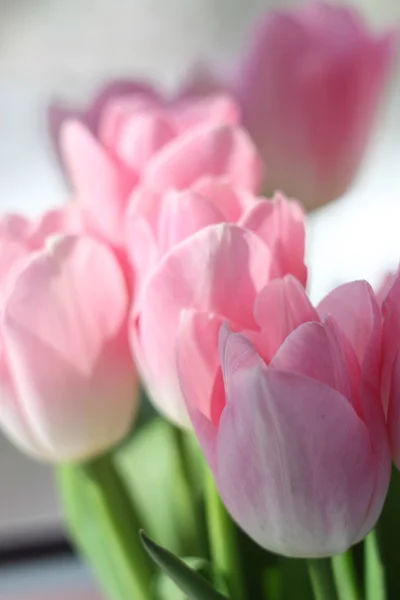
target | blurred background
x=66, y=49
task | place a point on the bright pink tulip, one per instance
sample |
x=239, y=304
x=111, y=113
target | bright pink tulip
x=68, y=385
x=189, y=254
x=309, y=88
x=288, y=413
x=390, y=366
x=138, y=140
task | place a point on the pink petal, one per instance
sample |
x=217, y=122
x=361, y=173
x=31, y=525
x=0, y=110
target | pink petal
x=201, y=273
x=182, y=214
x=14, y=247
x=294, y=462
x=65, y=335
x=354, y=308
x=118, y=108
x=228, y=199
x=199, y=364
x=218, y=109
x=390, y=334
x=280, y=307
x=280, y=223
x=208, y=150
x=315, y=350
x=101, y=185
x=140, y=138
x=393, y=417
x=66, y=220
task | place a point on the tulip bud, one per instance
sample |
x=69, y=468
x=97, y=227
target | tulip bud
x=288, y=414
x=68, y=383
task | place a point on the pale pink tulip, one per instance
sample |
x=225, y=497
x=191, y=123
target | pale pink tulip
x=138, y=141
x=189, y=253
x=67, y=382
x=288, y=412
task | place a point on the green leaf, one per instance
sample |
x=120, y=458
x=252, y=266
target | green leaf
x=188, y=581
x=78, y=499
x=150, y=464
x=166, y=589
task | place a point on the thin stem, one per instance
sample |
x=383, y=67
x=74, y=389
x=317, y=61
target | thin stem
x=223, y=540
x=345, y=576
x=321, y=578
x=375, y=587
x=187, y=489
x=120, y=524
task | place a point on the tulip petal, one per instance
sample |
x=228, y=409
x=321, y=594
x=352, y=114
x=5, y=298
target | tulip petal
x=283, y=492
x=141, y=137
x=280, y=307
x=182, y=214
x=101, y=185
x=280, y=223
x=354, y=308
x=201, y=273
x=208, y=150
x=69, y=354
x=218, y=109
x=199, y=364
x=314, y=349
x=228, y=199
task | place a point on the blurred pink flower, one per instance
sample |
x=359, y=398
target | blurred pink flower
x=212, y=248
x=137, y=138
x=68, y=384
x=307, y=86
x=288, y=412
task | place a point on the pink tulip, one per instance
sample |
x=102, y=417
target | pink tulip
x=68, y=385
x=389, y=295
x=137, y=139
x=287, y=410
x=211, y=247
x=309, y=88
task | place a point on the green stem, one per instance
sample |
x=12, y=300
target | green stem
x=120, y=525
x=223, y=541
x=375, y=587
x=345, y=576
x=187, y=488
x=321, y=578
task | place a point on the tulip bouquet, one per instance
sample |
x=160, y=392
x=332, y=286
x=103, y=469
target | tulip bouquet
x=171, y=286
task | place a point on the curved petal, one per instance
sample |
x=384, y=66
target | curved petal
x=199, y=364
x=101, y=185
x=182, y=214
x=227, y=198
x=280, y=224
x=280, y=307
x=65, y=336
x=207, y=150
x=354, y=308
x=390, y=334
x=14, y=247
x=218, y=108
x=315, y=350
x=295, y=466
x=140, y=138
x=200, y=273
